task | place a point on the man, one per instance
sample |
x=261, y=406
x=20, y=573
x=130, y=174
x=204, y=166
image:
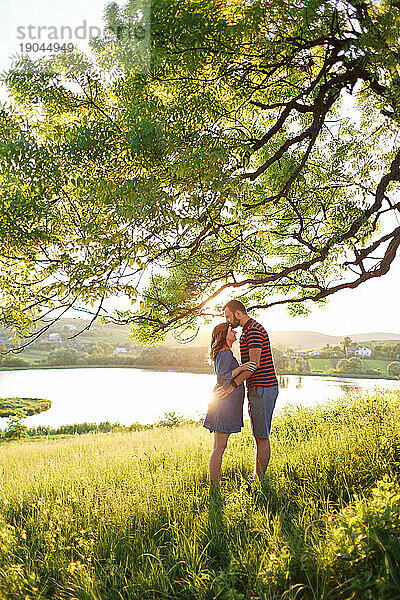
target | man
x=262, y=385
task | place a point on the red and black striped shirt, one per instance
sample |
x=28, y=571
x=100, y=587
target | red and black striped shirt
x=255, y=336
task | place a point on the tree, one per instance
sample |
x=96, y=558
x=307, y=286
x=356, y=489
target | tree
x=227, y=168
x=343, y=365
x=346, y=343
x=355, y=363
x=349, y=365
x=171, y=419
x=64, y=356
x=300, y=364
x=394, y=369
x=15, y=428
x=281, y=361
x=16, y=409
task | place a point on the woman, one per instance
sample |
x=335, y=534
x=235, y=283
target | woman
x=224, y=415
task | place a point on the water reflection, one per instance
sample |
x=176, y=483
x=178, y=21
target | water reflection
x=283, y=382
x=348, y=388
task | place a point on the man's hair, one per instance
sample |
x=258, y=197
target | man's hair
x=234, y=305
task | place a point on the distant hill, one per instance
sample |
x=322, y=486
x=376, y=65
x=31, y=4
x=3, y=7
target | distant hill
x=305, y=340
x=298, y=340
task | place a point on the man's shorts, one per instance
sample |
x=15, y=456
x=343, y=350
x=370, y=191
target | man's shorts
x=261, y=406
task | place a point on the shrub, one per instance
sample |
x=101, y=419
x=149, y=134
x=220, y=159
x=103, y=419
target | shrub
x=373, y=372
x=170, y=419
x=300, y=364
x=343, y=365
x=13, y=361
x=355, y=363
x=15, y=428
x=349, y=365
x=361, y=553
x=63, y=356
x=394, y=369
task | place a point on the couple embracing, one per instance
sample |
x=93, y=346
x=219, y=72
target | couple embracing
x=225, y=411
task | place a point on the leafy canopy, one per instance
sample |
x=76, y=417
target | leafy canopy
x=232, y=167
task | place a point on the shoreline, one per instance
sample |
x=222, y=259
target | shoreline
x=195, y=370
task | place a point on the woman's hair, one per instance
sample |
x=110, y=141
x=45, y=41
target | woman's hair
x=218, y=339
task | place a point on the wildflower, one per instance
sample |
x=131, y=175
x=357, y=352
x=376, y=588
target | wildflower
x=75, y=566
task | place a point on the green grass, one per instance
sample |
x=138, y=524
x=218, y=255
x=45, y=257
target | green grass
x=28, y=406
x=130, y=516
x=380, y=365
x=320, y=364
x=31, y=353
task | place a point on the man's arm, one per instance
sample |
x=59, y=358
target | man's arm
x=255, y=356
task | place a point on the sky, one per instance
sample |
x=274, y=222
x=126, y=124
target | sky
x=374, y=306
x=21, y=13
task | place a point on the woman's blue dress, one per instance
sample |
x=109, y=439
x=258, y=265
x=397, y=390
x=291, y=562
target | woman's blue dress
x=226, y=414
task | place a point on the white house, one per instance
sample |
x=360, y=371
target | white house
x=363, y=352
x=314, y=353
x=120, y=350
x=69, y=327
x=54, y=337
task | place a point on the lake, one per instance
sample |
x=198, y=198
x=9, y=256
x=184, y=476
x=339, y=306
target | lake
x=142, y=395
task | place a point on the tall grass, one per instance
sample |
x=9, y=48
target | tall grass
x=130, y=515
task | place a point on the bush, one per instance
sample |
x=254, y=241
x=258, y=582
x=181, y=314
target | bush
x=16, y=428
x=349, y=365
x=63, y=356
x=300, y=364
x=13, y=361
x=170, y=419
x=394, y=369
x=343, y=365
x=355, y=363
x=80, y=428
x=373, y=372
x=361, y=554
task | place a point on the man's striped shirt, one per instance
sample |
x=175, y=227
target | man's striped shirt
x=255, y=336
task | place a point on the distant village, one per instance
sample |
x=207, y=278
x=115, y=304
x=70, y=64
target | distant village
x=362, y=352
x=109, y=345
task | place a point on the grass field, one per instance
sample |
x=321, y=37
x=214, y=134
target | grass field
x=324, y=365
x=32, y=355
x=320, y=364
x=380, y=365
x=130, y=516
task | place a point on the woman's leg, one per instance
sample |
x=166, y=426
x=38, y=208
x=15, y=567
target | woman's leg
x=220, y=441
